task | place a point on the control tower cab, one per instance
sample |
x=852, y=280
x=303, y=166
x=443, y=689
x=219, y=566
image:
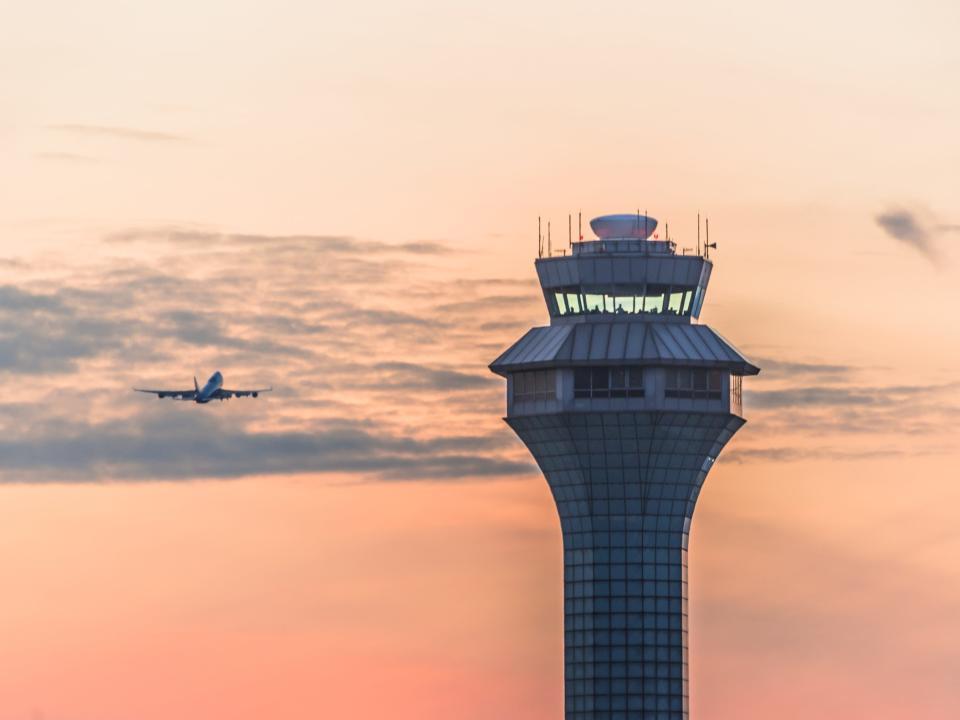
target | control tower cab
x=621, y=331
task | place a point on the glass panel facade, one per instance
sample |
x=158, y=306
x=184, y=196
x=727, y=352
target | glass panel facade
x=699, y=383
x=625, y=485
x=622, y=300
x=534, y=385
x=608, y=382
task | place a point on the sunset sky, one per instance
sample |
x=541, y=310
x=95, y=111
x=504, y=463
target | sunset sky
x=341, y=200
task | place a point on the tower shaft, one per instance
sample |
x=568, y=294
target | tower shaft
x=625, y=485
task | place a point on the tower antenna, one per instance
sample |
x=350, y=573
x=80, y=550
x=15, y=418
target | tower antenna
x=569, y=230
x=539, y=238
x=580, y=224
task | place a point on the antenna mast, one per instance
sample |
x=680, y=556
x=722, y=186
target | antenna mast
x=549, y=241
x=539, y=238
x=698, y=233
x=709, y=245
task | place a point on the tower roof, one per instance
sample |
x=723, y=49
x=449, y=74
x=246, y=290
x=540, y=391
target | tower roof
x=616, y=342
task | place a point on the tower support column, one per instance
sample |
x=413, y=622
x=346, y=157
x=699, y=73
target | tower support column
x=625, y=486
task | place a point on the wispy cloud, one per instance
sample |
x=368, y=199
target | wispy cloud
x=796, y=454
x=774, y=368
x=417, y=376
x=41, y=334
x=120, y=133
x=915, y=228
x=341, y=244
x=845, y=397
x=905, y=418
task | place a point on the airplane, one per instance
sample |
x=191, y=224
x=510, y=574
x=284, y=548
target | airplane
x=213, y=390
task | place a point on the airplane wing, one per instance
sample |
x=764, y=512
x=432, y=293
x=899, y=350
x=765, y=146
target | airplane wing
x=175, y=394
x=226, y=394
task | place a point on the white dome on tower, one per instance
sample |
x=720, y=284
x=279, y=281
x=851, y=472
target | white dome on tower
x=632, y=225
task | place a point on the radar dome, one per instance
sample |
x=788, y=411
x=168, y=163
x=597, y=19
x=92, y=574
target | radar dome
x=631, y=225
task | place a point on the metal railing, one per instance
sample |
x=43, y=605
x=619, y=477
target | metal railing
x=736, y=394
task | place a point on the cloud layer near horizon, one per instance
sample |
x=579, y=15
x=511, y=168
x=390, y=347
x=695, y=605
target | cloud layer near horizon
x=378, y=353
x=359, y=354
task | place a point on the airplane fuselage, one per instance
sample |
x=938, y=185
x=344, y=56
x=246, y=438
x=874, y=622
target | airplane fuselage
x=206, y=393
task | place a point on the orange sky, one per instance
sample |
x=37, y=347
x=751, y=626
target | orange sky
x=342, y=202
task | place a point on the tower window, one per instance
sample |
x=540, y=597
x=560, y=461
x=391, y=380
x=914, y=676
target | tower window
x=656, y=299
x=676, y=301
x=622, y=300
x=561, y=303
x=608, y=382
x=535, y=385
x=700, y=383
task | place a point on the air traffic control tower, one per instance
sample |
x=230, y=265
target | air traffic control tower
x=625, y=402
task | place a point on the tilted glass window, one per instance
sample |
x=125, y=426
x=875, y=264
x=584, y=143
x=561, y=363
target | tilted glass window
x=593, y=302
x=622, y=300
x=701, y=383
x=561, y=303
x=608, y=382
x=676, y=301
x=535, y=385
x=623, y=303
x=655, y=301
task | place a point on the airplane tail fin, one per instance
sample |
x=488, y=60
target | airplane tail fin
x=196, y=385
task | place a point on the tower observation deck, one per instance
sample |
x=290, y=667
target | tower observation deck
x=625, y=403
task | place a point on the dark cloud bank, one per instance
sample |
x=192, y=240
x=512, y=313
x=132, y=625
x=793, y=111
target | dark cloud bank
x=182, y=443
